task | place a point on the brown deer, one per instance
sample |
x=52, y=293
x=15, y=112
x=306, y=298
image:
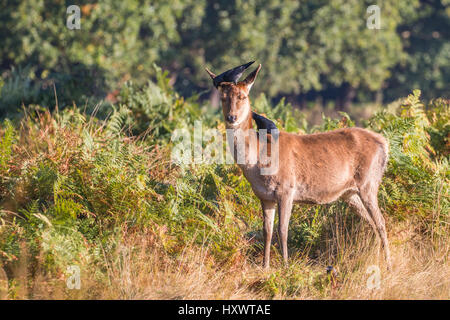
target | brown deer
x=318, y=168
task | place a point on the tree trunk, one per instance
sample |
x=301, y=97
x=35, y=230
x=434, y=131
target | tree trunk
x=349, y=95
x=303, y=102
x=379, y=96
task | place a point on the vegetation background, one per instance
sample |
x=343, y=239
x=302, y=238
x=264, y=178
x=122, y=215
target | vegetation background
x=85, y=139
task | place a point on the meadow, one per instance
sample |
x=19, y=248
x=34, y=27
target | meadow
x=97, y=189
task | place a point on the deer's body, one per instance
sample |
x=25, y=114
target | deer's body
x=320, y=168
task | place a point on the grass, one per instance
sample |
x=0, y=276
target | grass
x=102, y=194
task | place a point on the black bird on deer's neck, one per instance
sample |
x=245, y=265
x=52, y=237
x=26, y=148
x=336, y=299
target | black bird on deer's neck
x=263, y=123
x=231, y=75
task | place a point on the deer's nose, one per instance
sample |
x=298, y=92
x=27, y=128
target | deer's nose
x=231, y=118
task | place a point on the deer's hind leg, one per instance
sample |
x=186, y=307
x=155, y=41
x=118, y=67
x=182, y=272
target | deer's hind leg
x=355, y=202
x=377, y=224
x=370, y=201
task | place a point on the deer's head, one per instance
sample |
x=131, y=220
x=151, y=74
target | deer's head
x=234, y=96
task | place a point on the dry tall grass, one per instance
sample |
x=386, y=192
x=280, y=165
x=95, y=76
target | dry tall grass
x=140, y=268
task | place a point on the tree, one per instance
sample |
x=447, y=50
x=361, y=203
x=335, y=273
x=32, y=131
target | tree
x=426, y=41
x=118, y=40
x=303, y=46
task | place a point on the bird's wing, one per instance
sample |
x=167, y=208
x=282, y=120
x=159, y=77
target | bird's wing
x=263, y=122
x=232, y=75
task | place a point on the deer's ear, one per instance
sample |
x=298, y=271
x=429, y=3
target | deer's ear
x=212, y=75
x=251, y=78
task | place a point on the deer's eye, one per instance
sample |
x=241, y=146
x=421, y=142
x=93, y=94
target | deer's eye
x=241, y=97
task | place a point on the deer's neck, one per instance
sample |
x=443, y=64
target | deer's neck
x=246, y=141
x=247, y=123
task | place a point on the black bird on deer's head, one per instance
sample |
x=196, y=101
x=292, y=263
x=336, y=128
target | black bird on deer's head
x=231, y=75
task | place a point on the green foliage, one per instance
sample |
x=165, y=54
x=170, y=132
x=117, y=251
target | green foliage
x=6, y=144
x=18, y=90
x=439, y=130
x=155, y=109
x=291, y=280
x=426, y=62
x=287, y=117
x=124, y=38
x=417, y=175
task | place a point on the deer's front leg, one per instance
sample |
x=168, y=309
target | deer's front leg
x=284, y=214
x=268, y=208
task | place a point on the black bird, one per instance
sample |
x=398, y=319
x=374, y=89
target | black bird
x=263, y=123
x=231, y=75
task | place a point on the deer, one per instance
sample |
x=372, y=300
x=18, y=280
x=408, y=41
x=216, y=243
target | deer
x=320, y=168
